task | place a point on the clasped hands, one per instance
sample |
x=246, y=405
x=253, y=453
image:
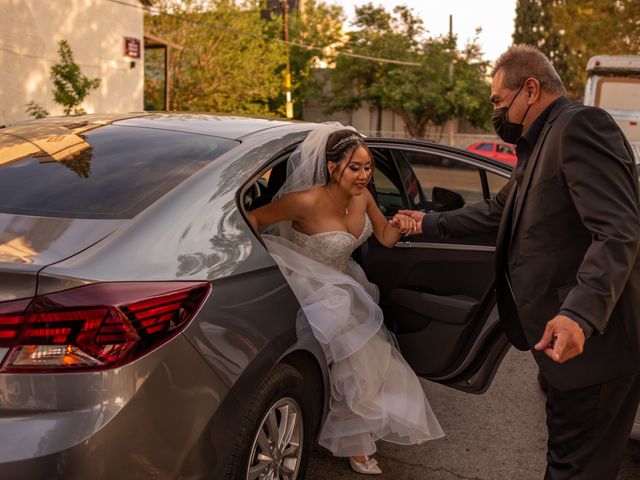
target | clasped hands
x=408, y=222
x=563, y=337
x=405, y=224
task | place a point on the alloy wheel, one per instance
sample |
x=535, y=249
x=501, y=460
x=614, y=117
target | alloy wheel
x=277, y=446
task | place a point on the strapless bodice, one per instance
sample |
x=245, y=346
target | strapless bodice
x=333, y=248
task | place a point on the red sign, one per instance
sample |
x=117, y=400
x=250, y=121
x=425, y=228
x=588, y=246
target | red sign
x=131, y=47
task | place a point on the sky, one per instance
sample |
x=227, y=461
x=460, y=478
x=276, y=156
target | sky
x=495, y=17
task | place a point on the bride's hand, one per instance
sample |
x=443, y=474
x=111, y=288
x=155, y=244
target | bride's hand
x=404, y=224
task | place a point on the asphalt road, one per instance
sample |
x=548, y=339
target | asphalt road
x=499, y=435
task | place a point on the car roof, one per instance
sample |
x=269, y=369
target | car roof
x=62, y=137
x=224, y=126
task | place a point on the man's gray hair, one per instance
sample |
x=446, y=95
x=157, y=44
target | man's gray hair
x=522, y=61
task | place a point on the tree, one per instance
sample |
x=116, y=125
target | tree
x=436, y=82
x=593, y=27
x=448, y=84
x=378, y=33
x=70, y=85
x=318, y=24
x=471, y=90
x=569, y=32
x=226, y=62
x=532, y=23
x=36, y=110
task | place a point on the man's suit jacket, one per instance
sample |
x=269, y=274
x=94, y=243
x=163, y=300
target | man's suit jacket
x=568, y=239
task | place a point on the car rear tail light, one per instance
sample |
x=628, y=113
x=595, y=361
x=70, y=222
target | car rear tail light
x=96, y=326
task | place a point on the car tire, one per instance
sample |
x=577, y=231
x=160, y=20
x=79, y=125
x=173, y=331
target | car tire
x=281, y=404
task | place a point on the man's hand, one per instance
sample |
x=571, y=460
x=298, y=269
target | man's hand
x=562, y=340
x=417, y=217
x=404, y=223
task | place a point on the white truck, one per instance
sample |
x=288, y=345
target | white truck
x=614, y=84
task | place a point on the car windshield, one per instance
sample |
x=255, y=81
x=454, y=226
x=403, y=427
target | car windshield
x=105, y=172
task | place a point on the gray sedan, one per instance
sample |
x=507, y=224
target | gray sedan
x=145, y=332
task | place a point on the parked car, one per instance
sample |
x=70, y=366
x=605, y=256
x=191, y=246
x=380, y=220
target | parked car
x=503, y=152
x=145, y=331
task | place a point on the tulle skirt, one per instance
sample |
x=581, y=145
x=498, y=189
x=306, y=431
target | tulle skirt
x=374, y=393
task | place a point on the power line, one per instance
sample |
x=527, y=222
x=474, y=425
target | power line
x=49, y=60
x=355, y=55
x=264, y=37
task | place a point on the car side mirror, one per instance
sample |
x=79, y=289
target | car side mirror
x=445, y=200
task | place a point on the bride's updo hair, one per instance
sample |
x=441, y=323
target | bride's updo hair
x=342, y=144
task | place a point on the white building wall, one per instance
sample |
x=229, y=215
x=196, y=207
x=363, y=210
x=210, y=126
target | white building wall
x=95, y=29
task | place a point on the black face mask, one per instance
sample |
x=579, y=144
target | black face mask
x=507, y=131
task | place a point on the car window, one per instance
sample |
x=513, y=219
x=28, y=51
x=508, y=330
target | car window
x=505, y=149
x=410, y=181
x=436, y=172
x=388, y=192
x=114, y=172
x=262, y=191
x=485, y=146
x=496, y=182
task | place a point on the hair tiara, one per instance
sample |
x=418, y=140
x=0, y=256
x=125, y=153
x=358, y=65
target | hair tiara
x=351, y=137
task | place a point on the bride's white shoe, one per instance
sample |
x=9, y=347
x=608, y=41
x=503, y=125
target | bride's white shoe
x=368, y=467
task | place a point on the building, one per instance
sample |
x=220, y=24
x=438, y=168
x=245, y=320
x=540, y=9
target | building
x=107, y=41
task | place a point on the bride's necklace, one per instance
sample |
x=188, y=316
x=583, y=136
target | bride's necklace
x=346, y=209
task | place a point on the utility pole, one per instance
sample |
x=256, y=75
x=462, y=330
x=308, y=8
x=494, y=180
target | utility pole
x=287, y=76
x=452, y=120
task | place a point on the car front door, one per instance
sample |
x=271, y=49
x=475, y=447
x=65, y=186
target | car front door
x=437, y=295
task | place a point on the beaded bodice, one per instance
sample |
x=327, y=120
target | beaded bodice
x=333, y=248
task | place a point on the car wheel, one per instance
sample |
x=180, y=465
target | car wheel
x=275, y=435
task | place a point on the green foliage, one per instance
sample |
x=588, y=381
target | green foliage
x=36, y=110
x=532, y=24
x=154, y=81
x=355, y=80
x=445, y=83
x=226, y=63
x=569, y=32
x=320, y=24
x=70, y=85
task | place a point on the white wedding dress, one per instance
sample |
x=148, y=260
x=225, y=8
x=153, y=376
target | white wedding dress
x=374, y=393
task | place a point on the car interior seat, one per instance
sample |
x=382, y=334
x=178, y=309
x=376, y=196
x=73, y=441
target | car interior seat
x=276, y=178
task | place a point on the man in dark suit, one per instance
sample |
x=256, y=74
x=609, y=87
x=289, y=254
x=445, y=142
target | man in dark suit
x=567, y=269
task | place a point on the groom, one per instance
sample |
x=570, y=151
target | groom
x=567, y=271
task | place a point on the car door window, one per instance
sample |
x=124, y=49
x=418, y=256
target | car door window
x=388, y=191
x=436, y=172
x=412, y=186
x=496, y=182
x=262, y=191
x=485, y=146
x=395, y=184
x=505, y=149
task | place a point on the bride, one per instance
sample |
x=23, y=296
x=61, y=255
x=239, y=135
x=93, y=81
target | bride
x=322, y=213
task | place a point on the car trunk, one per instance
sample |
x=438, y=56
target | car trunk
x=30, y=243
